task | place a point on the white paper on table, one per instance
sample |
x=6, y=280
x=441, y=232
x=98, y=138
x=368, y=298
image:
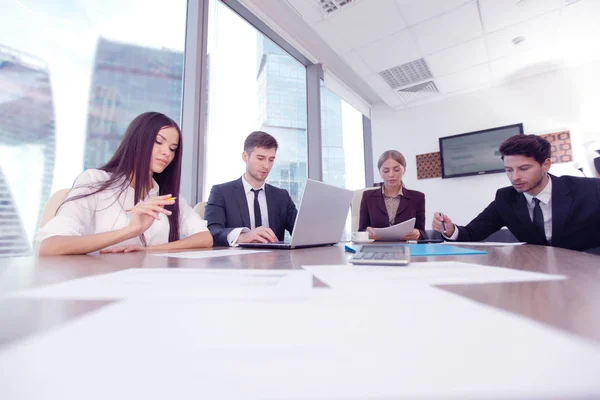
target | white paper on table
x=359, y=345
x=422, y=273
x=209, y=284
x=495, y=244
x=209, y=253
x=396, y=232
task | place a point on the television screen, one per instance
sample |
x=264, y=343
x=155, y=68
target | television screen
x=475, y=153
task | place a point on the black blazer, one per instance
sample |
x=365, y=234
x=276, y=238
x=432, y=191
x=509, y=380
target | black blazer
x=227, y=208
x=374, y=214
x=575, y=215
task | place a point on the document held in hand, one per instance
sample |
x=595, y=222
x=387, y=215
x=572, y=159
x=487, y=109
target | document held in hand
x=396, y=232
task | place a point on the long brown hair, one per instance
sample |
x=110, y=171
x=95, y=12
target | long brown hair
x=132, y=162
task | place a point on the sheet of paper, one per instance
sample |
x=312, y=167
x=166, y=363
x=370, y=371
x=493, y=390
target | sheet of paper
x=422, y=273
x=209, y=253
x=495, y=244
x=363, y=345
x=209, y=284
x=396, y=232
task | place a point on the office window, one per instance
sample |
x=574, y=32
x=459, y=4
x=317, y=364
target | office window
x=252, y=85
x=72, y=77
x=342, y=151
x=342, y=142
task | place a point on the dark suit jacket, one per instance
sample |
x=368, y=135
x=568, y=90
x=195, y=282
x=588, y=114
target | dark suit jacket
x=227, y=208
x=374, y=214
x=575, y=215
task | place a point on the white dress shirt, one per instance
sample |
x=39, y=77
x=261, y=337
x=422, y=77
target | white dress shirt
x=233, y=236
x=105, y=212
x=545, y=197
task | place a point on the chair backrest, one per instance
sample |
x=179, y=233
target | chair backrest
x=52, y=205
x=355, y=206
x=199, y=209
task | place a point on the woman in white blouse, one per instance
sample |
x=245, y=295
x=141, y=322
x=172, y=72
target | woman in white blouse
x=128, y=204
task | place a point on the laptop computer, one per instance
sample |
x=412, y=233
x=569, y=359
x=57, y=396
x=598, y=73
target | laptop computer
x=321, y=218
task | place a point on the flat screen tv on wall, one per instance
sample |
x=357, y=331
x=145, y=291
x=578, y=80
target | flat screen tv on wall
x=475, y=153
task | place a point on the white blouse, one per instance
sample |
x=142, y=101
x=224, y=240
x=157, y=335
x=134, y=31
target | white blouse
x=105, y=212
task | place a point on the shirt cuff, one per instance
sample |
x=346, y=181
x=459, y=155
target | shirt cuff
x=454, y=235
x=234, y=235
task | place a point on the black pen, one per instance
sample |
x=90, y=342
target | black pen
x=443, y=223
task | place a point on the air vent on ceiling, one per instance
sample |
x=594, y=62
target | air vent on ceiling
x=422, y=90
x=328, y=7
x=406, y=74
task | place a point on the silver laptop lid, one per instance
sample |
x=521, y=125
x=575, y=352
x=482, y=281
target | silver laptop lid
x=322, y=214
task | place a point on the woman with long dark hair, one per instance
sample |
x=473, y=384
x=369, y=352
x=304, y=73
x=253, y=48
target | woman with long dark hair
x=130, y=203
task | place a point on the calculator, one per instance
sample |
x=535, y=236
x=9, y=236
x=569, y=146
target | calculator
x=381, y=255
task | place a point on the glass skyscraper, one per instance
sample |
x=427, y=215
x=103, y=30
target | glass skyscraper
x=128, y=80
x=27, y=144
x=281, y=86
x=332, y=139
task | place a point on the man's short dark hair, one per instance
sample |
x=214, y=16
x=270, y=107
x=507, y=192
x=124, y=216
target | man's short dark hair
x=532, y=146
x=260, y=139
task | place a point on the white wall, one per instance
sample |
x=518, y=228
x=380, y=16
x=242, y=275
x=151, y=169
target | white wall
x=563, y=99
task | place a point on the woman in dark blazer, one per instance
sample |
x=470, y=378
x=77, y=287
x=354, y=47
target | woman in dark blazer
x=393, y=203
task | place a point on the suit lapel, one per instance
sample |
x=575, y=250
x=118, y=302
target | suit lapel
x=403, y=204
x=271, y=207
x=242, y=201
x=561, y=206
x=380, y=200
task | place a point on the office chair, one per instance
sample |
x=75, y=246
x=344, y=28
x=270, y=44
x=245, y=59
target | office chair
x=199, y=209
x=52, y=205
x=355, y=206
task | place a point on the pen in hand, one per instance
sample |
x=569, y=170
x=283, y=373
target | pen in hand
x=443, y=223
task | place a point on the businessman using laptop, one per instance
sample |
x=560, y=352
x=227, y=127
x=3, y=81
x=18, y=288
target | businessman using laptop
x=248, y=210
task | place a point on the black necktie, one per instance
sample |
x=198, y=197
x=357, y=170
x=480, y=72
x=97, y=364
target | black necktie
x=538, y=219
x=257, y=215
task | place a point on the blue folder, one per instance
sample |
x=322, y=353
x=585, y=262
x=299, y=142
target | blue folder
x=434, y=249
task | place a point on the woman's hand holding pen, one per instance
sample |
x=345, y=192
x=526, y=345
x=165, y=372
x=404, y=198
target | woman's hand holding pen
x=146, y=212
x=442, y=223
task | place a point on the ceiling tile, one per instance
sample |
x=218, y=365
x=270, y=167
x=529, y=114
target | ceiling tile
x=539, y=33
x=392, y=99
x=451, y=29
x=425, y=98
x=308, y=10
x=419, y=11
x=390, y=51
x=377, y=83
x=357, y=63
x=367, y=21
x=467, y=79
x=520, y=66
x=333, y=37
x=457, y=58
x=579, y=31
x=498, y=14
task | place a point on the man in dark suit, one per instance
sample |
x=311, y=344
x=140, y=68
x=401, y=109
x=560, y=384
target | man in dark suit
x=538, y=208
x=248, y=210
